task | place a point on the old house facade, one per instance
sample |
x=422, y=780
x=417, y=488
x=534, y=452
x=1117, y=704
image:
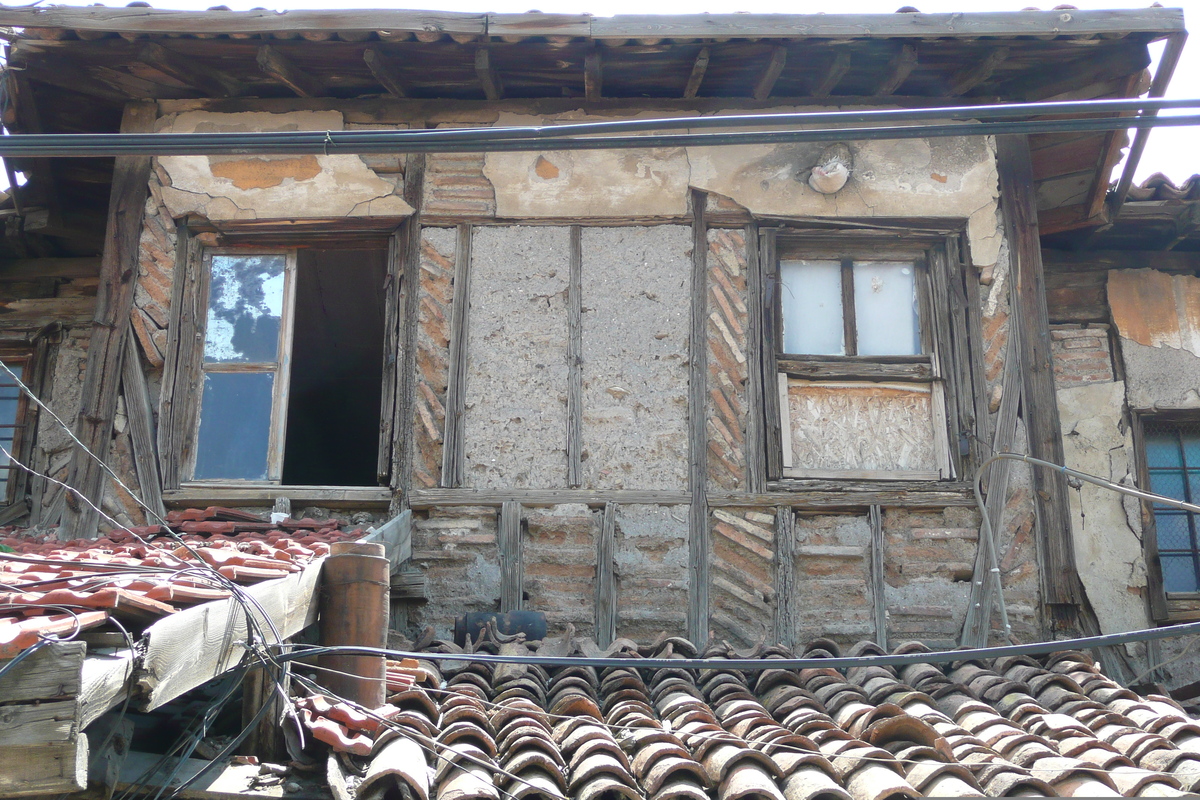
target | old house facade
x=687, y=388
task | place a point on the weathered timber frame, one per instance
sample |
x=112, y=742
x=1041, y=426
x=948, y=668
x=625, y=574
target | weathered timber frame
x=950, y=362
x=32, y=357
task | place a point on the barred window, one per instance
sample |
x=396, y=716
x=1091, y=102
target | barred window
x=1173, y=464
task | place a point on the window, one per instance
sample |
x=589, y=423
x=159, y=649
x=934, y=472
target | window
x=291, y=366
x=1172, y=451
x=867, y=373
x=13, y=418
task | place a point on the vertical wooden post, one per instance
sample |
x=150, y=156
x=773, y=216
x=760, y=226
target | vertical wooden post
x=785, y=584
x=410, y=299
x=1059, y=578
x=453, y=452
x=511, y=572
x=756, y=436
x=606, y=583
x=110, y=326
x=698, y=532
x=258, y=690
x=575, y=362
x=354, y=611
x=879, y=602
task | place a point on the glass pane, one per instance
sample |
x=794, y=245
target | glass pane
x=1162, y=450
x=1168, y=483
x=1179, y=573
x=885, y=308
x=235, y=425
x=812, y=307
x=1191, y=449
x=245, y=306
x=1172, y=529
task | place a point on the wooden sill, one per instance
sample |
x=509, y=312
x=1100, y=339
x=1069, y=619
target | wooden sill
x=242, y=494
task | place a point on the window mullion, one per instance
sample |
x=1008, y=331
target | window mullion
x=849, y=322
x=283, y=374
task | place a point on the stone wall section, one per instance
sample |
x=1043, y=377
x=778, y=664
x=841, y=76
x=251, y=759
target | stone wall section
x=651, y=554
x=727, y=368
x=1081, y=354
x=831, y=573
x=742, y=595
x=456, y=549
x=152, y=295
x=433, y=352
x=558, y=552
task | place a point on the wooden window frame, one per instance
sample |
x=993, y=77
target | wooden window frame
x=950, y=362
x=280, y=367
x=24, y=429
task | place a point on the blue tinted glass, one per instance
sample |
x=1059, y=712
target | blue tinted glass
x=235, y=425
x=1179, y=573
x=1167, y=483
x=1191, y=449
x=1162, y=450
x=1172, y=529
x=245, y=307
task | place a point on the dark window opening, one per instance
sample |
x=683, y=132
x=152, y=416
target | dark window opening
x=1173, y=461
x=337, y=368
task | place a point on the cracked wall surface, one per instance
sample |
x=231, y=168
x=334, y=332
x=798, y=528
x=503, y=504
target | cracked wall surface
x=223, y=188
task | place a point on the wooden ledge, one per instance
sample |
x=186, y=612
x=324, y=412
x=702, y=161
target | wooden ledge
x=339, y=497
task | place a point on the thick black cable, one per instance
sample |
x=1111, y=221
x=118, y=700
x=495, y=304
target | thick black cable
x=446, y=141
x=759, y=664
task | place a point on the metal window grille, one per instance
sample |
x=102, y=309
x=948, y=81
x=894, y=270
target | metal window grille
x=1173, y=462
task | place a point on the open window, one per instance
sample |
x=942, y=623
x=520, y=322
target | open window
x=860, y=341
x=291, y=367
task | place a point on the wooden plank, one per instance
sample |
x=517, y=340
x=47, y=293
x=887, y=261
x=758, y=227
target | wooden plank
x=878, y=585
x=114, y=304
x=768, y=263
x=976, y=378
x=786, y=592
x=278, y=66
x=41, y=311
x=52, y=721
x=44, y=769
x=391, y=344
x=431, y=498
x=25, y=269
x=195, y=645
x=593, y=76
x=898, y=69
x=967, y=78
x=191, y=72
x=698, y=530
x=536, y=23
x=770, y=74
x=606, y=579
x=575, y=363
x=50, y=673
x=341, y=497
x=511, y=572
x=696, y=76
x=402, y=442
x=453, y=443
x=1058, y=576
x=874, y=26
x=916, y=369
x=385, y=71
x=489, y=79
x=141, y=429
x=104, y=684
x=849, y=315
x=756, y=445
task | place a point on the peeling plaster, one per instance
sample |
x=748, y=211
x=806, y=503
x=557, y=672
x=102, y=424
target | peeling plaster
x=272, y=187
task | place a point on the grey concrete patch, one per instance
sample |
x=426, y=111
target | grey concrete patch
x=1160, y=377
x=636, y=324
x=515, y=416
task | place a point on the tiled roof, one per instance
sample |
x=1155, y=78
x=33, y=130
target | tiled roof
x=138, y=575
x=1159, y=187
x=1010, y=726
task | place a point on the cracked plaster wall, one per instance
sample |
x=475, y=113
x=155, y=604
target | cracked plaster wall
x=1158, y=318
x=223, y=188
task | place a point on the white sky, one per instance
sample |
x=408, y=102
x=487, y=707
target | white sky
x=1173, y=151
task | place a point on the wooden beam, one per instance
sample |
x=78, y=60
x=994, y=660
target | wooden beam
x=50, y=768
x=606, y=579
x=593, y=76
x=898, y=69
x=1104, y=260
x=878, y=584
x=1187, y=223
x=698, y=529
x=834, y=73
x=696, y=77
x=453, y=443
x=340, y=497
x=575, y=362
x=771, y=73
x=52, y=672
x=390, y=381
x=1113, y=61
x=1058, y=575
x=141, y=431
x=181, y=378
x=1110, y=154
x=385, y=71
x=280, y=67
x=772, y=330
x=28, y=269
x=191, y=72
x=489, y=79
x=969, y=77
x=511, y=571
x=756, y=453
x=403, y=443
x=784, y=567
x=106, y=349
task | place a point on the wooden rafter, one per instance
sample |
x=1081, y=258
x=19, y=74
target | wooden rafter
x=898, y=69
x=837, y=69
x=489, y=79
x=699, y=67
x=384, y=70
x=191, y=72
x=280, y=67
x=771, y=73
x=968, y=78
